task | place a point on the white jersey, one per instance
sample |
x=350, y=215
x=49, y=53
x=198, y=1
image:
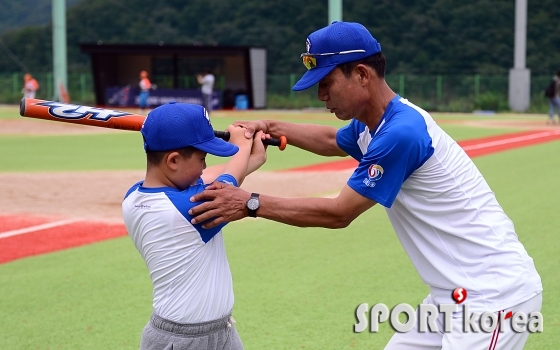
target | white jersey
x=444, y=213
x=188, y=266
x=207, y=84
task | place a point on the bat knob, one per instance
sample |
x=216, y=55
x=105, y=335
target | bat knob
x=283, y=142
x=22, y=107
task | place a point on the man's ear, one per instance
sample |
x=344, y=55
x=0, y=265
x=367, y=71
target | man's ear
x=171, y=159
x=365, y=74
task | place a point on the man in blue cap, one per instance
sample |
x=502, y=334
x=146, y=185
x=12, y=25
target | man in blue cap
x=444, y=213
x=191, y=278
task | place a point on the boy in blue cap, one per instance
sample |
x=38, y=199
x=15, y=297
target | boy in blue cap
x=191, y=278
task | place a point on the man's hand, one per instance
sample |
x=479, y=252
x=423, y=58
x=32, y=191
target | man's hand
x=226, y=203
x=252, y=127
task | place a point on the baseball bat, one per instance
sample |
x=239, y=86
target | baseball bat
x=101, y=117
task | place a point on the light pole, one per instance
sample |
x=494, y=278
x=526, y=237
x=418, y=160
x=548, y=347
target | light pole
x=60, y=66
x=335, y=10
x=519, y=75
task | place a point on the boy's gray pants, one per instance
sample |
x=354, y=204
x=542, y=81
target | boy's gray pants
x=162, y=334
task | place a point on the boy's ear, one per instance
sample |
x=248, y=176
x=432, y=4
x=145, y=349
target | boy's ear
x=171, y=159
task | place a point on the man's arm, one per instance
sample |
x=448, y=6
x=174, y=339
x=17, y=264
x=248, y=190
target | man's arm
x=318, y=139
x=228, y=204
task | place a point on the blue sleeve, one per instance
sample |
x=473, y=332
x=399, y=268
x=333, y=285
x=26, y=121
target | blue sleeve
x=228, y=179
x=182, y=201
x=392, y=156
x=347, y=136
x=133, y=188
x=225, y=178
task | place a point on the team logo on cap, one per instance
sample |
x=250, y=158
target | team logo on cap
x=375, y=172
x=206, y=115
x=308, y=45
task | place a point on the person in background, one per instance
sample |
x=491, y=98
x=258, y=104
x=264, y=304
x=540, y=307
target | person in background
x=552, y=92
x=145, y=86
x=30, y=86
x=207, y=81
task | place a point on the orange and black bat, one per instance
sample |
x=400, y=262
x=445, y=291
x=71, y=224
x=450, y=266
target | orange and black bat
x=105, y=118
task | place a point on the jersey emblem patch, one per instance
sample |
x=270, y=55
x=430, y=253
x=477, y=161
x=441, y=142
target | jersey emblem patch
x=375, y=172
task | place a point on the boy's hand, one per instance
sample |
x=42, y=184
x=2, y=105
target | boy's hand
x=258, y=150
x=237, y=136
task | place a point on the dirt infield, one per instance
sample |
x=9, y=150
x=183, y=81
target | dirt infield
x=98, y=195
x=44, y=212
x=89, y=195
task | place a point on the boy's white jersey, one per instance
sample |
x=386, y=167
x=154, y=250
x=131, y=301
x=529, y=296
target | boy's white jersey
x=444, y=213
x=188, y=265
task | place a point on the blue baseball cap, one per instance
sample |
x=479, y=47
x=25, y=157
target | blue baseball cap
x=340, y=42
x=177, y=125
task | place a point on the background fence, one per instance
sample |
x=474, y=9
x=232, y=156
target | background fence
x=80, y=87
x=445, y=92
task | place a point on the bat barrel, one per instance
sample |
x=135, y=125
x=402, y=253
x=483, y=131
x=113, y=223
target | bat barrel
x=105, y=118
x=77, y=114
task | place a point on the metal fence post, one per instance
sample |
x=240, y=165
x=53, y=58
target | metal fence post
x=439, y=87
x=292, y=83
x=15, y=81
x=476, y=87
x=50, y=86
x=83, y=86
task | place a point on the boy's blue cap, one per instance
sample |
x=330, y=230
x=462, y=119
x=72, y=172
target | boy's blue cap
x=177, y=125
x=337, y=37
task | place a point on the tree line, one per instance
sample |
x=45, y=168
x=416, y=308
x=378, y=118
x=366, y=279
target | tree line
x=419, y=37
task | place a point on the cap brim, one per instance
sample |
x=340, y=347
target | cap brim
x=217, y=147
x=312, y=77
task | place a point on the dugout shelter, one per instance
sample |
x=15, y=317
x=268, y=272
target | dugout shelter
x=240, y=71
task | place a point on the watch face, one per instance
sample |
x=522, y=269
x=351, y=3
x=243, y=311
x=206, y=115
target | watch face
x=253, y=204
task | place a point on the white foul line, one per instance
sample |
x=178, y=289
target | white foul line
x=512, y=140
x=36, y=228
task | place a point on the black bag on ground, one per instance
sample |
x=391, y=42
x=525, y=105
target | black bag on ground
x=550, y=90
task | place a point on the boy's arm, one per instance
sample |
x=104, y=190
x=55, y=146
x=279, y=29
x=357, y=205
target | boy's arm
x=257, y=158
x=238, y=163
x=211, y=173
x=258, y=153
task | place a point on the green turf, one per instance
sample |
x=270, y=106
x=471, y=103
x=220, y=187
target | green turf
x=295, y=288
x=93, y=297
x=525, y=181
x=123, y=150
x=9, y=112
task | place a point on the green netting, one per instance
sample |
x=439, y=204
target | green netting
x=444, y=92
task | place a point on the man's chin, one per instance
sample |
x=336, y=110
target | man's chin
x=341, y=116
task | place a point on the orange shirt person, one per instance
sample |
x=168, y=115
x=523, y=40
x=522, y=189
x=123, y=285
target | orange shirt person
x=30, y=86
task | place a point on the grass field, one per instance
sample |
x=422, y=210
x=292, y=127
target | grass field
x=295, y=288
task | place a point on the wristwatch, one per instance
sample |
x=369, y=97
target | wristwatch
x=253, y=205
